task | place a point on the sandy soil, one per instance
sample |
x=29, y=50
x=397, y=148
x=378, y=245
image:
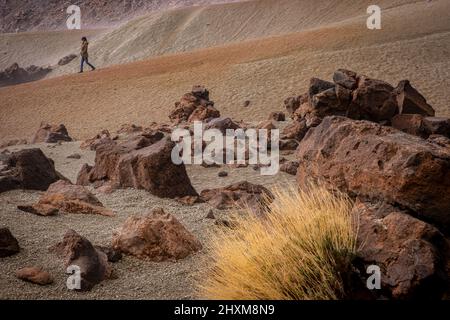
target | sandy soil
x=136, y=279
x=413, y=44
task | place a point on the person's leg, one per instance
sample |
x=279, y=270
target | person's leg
x=90, y=65
x=82, y=64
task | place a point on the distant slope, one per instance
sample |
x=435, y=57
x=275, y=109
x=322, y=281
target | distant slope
x=192, y=28
x=413, y=44
x=46, y=15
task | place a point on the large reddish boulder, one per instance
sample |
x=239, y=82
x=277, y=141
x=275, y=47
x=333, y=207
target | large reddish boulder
x=78, y=251
x=409, y=100
x=51, y=134
x=141, y=163
x=157, y=236
x=194, y=106
x=368, y=160
x=68, y=198
x=28, y=169
x=239, y=195
x=8, y=244
x=411, y=254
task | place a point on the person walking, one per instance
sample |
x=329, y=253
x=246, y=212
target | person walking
x=85, y=55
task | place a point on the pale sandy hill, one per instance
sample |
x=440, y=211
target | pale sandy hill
x=413, y=44
x=187, y=29
x=41, y=48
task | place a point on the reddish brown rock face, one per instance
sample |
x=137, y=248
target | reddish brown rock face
x=78, y=251
x=34, y=275
x=295, y=130
x=409, y=252
x=239, y=195
x=140, y=163
x=194, y=106
x=8, y=244
x=66, y=197
x=409, y=123
x=410, y=101
x=365, y=159
x=157, y=236
x=28, y=169
x=51, y=134
x=103, y=137
x=222, y=124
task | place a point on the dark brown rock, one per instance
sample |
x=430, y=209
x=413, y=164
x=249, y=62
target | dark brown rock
x=277, y=116
x=62, y=196
x=409, y=123
x=410, y=101
x=295, y=130
x=113, y=255
x=28, y=169
x=8, y=244
x=288, y=145
x=78, y=251
x=51, y=134
x=346, y=78
x=239, y=195
x=290, y=167
x=373, y=100
x=140, y=164
x=436, y=125
x=409, y=252
x=34, y=275
x=222, y=124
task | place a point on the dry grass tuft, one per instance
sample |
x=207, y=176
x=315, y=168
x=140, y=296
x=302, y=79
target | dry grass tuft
x=301, y=251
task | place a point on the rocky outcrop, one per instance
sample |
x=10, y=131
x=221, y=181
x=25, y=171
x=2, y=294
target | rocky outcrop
x=239, y=195
x=62, y=196
x=27, y=169
x=34, y=275
x=78, y=251
x=358, y=97
x=143, y=162
x=104, y=137
x=368, y=160
x=194, y=106
x=15, y=74
x=157, y=236
x=51, y=134
x=67, y=59
x=410, y=253
x=8, y=244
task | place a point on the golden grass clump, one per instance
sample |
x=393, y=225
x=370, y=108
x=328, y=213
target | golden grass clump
x=301, y=250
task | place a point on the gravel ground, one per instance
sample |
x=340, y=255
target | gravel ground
x=136, y=279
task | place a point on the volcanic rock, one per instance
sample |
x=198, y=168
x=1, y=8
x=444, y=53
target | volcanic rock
x=368, y=160
x=157, y=236
x=28, y=169
x=78, y=251
x=8, y=244
x=51, y=134
x=34, y=275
